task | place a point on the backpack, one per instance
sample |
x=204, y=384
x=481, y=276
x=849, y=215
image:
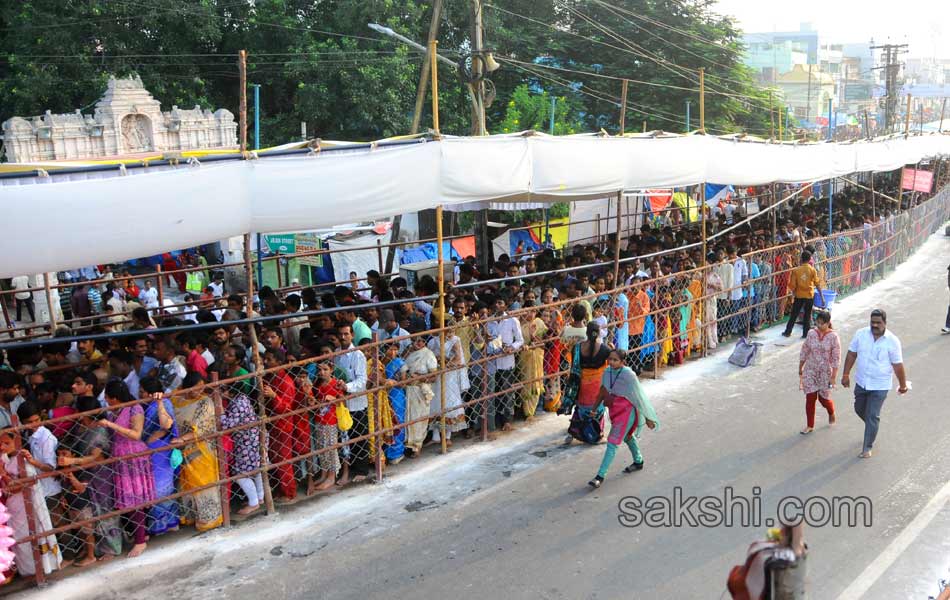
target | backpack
x=746, y=353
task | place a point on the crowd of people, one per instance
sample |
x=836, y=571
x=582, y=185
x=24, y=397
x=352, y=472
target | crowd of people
x=325, y=387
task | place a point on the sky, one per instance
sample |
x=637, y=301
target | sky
x=923, y=24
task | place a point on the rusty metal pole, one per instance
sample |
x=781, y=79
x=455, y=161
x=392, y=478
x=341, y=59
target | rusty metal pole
x=441, y=279
x=27, y=494
x=280, y=280
x=161, y=290
x=259, y=371
x=219, y=452
x=49, y=304
x=617, y=239
x=379, y=256
x=484, y=394
x=378, y=404
x=6, y=314
x=706, y=267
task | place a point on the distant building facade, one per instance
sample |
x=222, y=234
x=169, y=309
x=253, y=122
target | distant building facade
x=127, y=120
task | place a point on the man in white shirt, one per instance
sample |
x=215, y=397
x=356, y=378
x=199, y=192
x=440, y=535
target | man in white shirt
x=217, y=286
x=504, y=341
x=354, y=364
x=42, y=454
x=149, y=295
x=23, y=298
x=878, y=355
x=389, y=328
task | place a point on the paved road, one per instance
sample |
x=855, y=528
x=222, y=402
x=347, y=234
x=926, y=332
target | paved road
x=516, y=519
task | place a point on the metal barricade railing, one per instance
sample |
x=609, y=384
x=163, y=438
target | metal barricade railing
x=267, y=430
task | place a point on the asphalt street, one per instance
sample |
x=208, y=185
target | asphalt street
x=516, y=519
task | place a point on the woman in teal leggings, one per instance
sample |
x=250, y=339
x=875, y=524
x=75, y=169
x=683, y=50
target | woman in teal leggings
x=629, y=410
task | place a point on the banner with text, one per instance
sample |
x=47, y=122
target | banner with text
x=917, y=180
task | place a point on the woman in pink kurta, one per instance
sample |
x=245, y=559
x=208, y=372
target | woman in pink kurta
x=818, y=367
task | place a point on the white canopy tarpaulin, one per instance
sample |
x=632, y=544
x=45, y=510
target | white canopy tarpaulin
x=56, y=224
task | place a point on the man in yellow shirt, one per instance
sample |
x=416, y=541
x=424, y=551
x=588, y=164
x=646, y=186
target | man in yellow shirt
x=802, y=284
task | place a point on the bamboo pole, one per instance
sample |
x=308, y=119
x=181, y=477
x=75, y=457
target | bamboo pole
x=424, y=72
x=617, y=238
x=49, y=304
x=27, y=494
x=623, y=106
x=434, y=68
x=161, y=290
x=259, y=371
x=242, y=76
x=702, y=304
x=378, y=404
x=702, y=104
x=219, y=452
x=438, y=234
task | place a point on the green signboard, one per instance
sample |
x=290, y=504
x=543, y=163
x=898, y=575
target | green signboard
x=284, y=243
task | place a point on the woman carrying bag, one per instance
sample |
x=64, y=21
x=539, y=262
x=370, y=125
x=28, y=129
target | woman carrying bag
x=630, y=410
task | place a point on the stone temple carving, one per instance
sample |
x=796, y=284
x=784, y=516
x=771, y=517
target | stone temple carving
x=127, y=120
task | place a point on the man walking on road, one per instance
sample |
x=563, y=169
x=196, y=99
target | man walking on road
x=878, y=354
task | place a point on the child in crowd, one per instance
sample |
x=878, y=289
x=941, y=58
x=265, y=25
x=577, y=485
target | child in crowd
x=324, y=397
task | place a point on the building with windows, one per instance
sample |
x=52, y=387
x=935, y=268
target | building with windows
x=807, y=91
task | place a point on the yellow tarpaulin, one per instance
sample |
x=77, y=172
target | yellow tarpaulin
x=680, y=200
x=558, y=234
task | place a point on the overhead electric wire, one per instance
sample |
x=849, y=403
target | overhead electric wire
x=597, y=94
x=684, y=72
x=659, y=23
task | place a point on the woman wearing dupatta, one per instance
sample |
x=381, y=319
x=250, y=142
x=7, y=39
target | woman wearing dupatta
x=664, y=325
x=420, y=361
x=590, y=360
x=15, y=497
x=684, y=323
x=531, y=362
x=456, y=384
x=195, y=413
x=630, y=410
x=378, y=400
x=158, y=431
x=695, y=327
x=711, y=314
x=396, y=372
x=553, y=356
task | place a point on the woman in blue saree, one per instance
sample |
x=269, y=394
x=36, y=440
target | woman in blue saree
x=159, y=430
x=396, y=371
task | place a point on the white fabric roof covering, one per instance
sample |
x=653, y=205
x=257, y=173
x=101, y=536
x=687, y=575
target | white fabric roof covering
x=64, y=222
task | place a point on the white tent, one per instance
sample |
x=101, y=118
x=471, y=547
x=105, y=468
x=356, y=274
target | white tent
x=56, y=225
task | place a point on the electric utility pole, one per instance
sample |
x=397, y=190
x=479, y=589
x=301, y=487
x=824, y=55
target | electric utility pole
x=892, y=81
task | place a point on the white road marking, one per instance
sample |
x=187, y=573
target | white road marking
x=885, y=559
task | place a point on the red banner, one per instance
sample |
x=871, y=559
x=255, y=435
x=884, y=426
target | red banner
x=917, y=180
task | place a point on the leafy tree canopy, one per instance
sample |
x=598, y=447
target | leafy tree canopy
x=318, y=62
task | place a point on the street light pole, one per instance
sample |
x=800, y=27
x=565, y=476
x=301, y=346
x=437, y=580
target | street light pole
x=257, y=115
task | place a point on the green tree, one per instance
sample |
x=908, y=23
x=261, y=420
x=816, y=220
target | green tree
x=526, y=110
x=318, y=62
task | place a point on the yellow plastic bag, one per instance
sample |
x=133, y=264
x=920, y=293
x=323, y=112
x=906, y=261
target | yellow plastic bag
x=344, y=420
